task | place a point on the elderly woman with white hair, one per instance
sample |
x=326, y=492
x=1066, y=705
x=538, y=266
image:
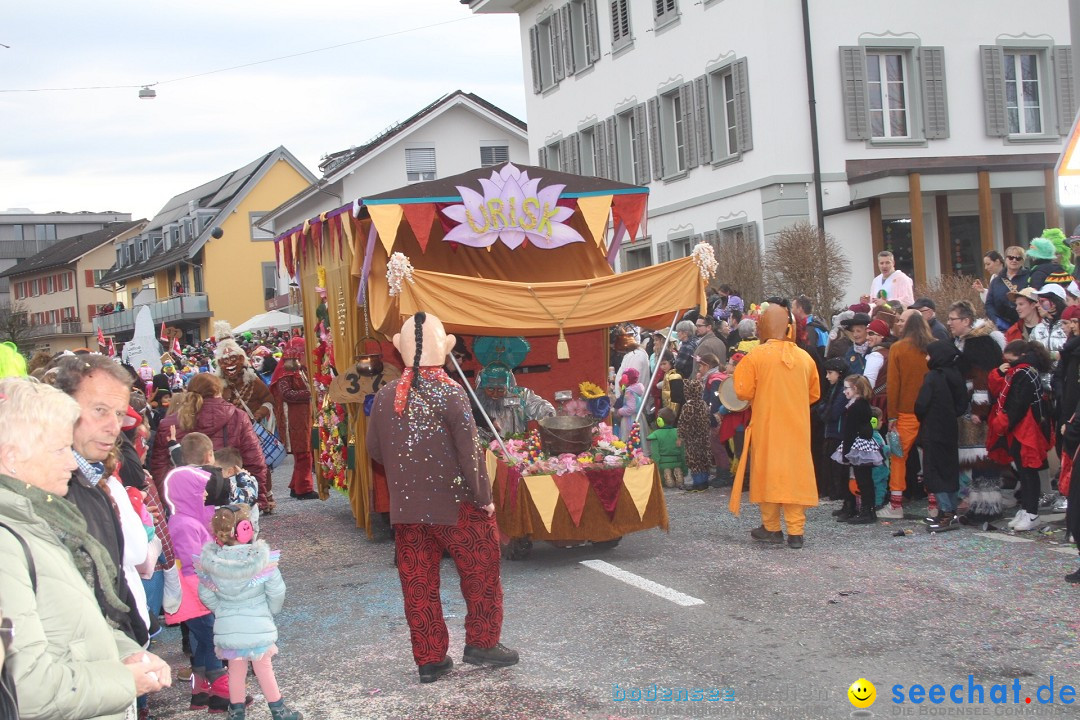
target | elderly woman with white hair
x=685, y=364
x=67, y=661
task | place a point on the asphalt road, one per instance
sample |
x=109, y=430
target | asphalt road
x=778, y=633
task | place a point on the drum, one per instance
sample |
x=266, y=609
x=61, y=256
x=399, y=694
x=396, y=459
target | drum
x=728, y=398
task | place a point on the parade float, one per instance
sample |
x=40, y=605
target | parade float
x=504, y=251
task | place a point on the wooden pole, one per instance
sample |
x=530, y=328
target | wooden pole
x=1052, y=216
x=918, y=232
x=877, y=232
x=943, y=235
x=986, y=213
x=1008, y=221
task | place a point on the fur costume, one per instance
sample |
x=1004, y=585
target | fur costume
x=243, y=386
x=980, y=353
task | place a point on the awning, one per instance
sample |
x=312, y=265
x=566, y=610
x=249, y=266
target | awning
x=473, y=305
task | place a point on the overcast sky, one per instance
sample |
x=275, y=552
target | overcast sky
x=108, y=150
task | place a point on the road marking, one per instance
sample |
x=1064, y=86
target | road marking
x=643, y=583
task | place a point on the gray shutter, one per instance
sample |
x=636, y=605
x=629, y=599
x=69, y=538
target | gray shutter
x=663, y=251
x=568, y=154
x=615, y=29
x=600, y=150
x=694, y=240
x=993, y=77
x=556, y=35
x=934, y=96
x=534, y=51
x=612, y=148
x=641, y=127
x=541, y=157
x=1063, y=86
x=686, y=99
x=567, y=38
x=853, y=84
x=592, y=32
x=704, y=121
x=741, y=78
x=654, y=138
x=713, y=238
x=750, y=235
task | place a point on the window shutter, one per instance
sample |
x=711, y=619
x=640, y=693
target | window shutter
x=567, y=38
x=686, y=100
x=575, y=154
x=600, y=150
x=91, y=311
x=663, y=252
x=934, y=96
x=1063, y=86
x=741, y=80
x=534, y=50
x=704, y=122
x=555, y=33
x=695, y=240
x=612, y=149
x=749, y=231
x=89, y=278
x=541, y=157
x=853, y=83
x=641, y=127
x=654, y=138
x=592, y=32
x=566, y=154
x=993, y=77
x=420, y=160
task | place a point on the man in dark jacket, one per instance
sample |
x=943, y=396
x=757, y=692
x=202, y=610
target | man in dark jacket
x=928, y=309
x=942, y=399
x=103, y=390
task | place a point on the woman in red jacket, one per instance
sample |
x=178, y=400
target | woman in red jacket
x=201, y=409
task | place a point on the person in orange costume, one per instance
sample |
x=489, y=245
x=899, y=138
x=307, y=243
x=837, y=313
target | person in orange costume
x=780, y=380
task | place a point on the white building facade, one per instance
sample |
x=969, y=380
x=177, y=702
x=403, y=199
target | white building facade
x=938, y=123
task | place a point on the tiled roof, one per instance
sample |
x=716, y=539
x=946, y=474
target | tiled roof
x=70, y=249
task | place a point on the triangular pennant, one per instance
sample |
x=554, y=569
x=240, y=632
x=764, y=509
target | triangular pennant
x=492, y=464
x=594, y=210
x=545, y=496
x=639, y=483
x=573, y=488
x=346, y=220
x=386, y=218
x=420, y=216
x=629, y=209
x=608, y=485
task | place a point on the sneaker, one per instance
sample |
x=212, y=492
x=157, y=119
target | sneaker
x=889, y=512
x=1062, y=504
x=767, y=536
x=1073, y=577
x=1016, y=518
x=433, y=671
x=1047, y=501
x=499, y=656
x=1025, y=523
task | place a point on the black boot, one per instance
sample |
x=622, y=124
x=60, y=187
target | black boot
x=866, y=516
x=845, y=512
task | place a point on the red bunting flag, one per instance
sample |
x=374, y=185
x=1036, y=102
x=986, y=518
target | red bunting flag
x=630, y=210
x=573, y=489
x=420, y=217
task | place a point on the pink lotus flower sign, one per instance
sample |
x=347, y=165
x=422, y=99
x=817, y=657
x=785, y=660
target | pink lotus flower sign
x=513, y=208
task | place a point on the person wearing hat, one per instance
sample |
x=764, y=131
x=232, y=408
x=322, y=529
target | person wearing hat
x=830, y=410
x=291, y=391
x=1045, y=267
x=852, y=345
x=1028, y=314
x=781, y=382
x=877, y=362
x=1050, y=332
x=1014, y=278
x=928, y=309
x=891, y=284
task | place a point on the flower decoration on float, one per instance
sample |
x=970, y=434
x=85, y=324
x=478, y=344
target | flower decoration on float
x=607, y=452
x=590, y=390
x=398, y=269
x=705, y=259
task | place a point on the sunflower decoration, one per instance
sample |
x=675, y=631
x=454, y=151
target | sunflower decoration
x=590, y=391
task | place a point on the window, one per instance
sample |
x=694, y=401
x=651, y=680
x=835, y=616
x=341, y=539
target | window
x=620, y=25
x=637, y=258
x=629, y=159
x=672, y=132
x=157, y=243
x=724, y=97
x=45, y=232
x=494, y=155
x=549, y=156
x=894, y=95
x=120, y=257
x=50, y=284
x=419, y=164
x=587, y=147
x=887, y=91
x=98, y=274
x=19, y=233
x=258, y=234
x=269, y=280
x=67, y=281
x=35, y=288
x=665, y=11
x=584, y=35
x=1028, y=91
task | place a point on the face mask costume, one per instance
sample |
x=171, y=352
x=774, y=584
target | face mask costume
x=292, y=407
x=422, y=430
x=243, y=387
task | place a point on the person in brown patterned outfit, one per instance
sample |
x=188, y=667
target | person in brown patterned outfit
x=694, y=435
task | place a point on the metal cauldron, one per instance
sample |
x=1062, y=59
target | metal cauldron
x=566, y=434
x=368, y=364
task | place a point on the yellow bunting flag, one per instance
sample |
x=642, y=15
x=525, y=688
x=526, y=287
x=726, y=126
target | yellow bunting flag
x=545, y=495
x=387, y=218
x=492, y=463
x=639, y=483
x=594, y=211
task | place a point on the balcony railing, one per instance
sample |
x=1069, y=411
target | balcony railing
x=178, y=307
x=71, y=327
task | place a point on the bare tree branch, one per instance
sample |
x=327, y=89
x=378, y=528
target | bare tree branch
x=803, y=261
